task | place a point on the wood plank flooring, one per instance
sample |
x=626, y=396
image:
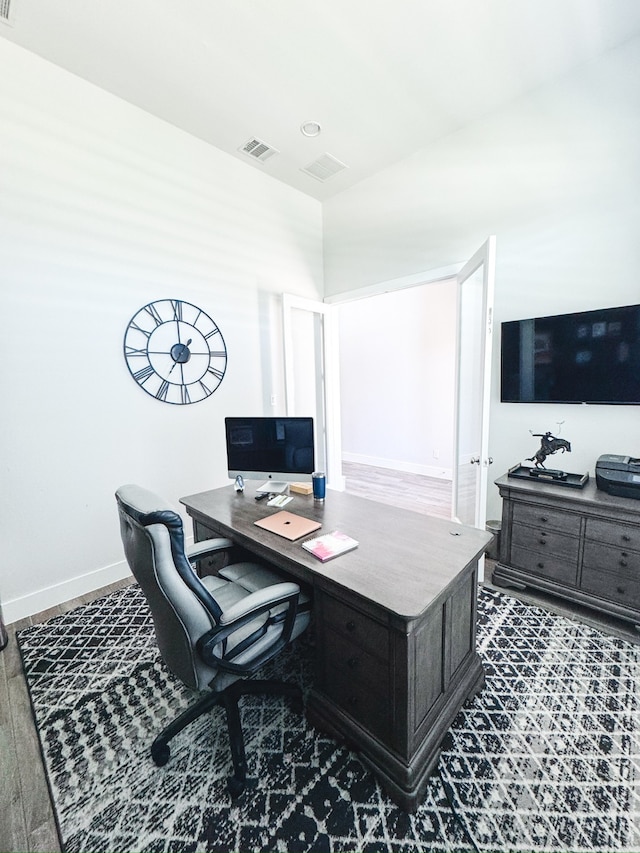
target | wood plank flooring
x=428, y=495
x=26, y=815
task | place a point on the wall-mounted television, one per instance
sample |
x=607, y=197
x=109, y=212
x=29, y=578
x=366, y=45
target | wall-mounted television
x=277, y=450
x=584, y=357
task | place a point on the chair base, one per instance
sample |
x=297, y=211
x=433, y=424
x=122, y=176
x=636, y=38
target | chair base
x=229, y=699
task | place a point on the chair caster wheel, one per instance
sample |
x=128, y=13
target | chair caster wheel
x=235, y=786
x=160, y=752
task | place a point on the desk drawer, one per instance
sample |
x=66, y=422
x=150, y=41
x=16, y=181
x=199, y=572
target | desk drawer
x=356, y=627
x=547, y=566
x=543, y=517
x=358, y=682
x=624, y=535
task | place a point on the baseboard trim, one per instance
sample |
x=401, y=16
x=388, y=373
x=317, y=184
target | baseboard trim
x=51, y=596
x=398, y=465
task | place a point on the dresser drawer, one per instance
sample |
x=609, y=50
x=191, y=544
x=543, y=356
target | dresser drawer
x=610, y=558
x=356, y=627
x=543, y=541
x=624, y=535
x=548, y=566
x=542, y=517
x=622, y=589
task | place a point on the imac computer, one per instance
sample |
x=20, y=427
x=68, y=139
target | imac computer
x=275, y=450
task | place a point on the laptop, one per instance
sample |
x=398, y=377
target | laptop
x=288, y=524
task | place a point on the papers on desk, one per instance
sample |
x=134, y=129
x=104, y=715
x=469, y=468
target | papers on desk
x=280, y=500
x=330, y=545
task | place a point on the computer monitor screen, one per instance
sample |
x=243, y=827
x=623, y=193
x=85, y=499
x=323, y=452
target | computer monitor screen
x=275, y=450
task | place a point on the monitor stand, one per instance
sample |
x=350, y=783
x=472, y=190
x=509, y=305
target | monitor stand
x=273, y=487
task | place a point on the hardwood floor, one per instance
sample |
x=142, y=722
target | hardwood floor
x=428, y=495
x=26, y=815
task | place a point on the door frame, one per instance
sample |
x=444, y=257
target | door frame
x=332, y=425
x=484, y=257
x=330, y=428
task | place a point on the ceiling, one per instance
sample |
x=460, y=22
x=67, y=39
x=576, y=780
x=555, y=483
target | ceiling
x=383, y=78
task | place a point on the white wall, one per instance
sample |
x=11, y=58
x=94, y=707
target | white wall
x=104, y=208
x=397, y=370
x=556, y=177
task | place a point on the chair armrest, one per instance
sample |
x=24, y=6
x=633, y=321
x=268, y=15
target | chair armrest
x=199, y=550
x=247, y=610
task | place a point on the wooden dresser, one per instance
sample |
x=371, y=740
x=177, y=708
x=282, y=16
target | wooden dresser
x=581, y=544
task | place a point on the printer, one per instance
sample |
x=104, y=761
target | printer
x=618, y=475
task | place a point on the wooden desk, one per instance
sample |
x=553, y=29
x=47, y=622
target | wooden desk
x=395, y=623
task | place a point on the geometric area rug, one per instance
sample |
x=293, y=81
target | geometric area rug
x=545, y=758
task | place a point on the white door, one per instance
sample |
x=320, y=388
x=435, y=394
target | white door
x=473, y=386
x=312, y=378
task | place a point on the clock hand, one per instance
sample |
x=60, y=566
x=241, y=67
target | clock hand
x=180, y=354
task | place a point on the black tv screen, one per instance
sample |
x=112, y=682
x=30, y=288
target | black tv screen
x=585, y=357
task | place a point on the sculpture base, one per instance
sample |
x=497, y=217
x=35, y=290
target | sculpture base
x=549, y=475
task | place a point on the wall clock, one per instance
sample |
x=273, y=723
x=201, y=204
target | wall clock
x=175, y=352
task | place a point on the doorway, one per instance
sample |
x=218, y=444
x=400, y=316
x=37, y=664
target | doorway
x=377, y=352
x=397, y=379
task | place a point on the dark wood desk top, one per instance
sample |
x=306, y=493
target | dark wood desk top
x=403, y=562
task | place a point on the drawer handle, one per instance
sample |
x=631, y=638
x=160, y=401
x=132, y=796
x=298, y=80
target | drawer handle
x=626, y=537
x=541, y=565
x=351, y=625
x=624, y=564
x=544, y=519
x=352, y=663
x=542, y=541
x=620, y=590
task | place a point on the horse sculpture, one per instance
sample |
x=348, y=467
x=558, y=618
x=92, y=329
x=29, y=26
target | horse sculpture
x=549, y=444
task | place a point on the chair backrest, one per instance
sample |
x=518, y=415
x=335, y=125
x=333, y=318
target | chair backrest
x=181, y=606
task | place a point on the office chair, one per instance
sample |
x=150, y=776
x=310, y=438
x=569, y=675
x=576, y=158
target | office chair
x=213, y=633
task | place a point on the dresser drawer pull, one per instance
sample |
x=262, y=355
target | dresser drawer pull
x=542, y=541
x=540, y=565
x=351, y=625
x=620, y=590
x=626, y=537
x=623, y=563
x=352, y=663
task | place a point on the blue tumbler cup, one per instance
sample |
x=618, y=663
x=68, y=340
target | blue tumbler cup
x=319, y=485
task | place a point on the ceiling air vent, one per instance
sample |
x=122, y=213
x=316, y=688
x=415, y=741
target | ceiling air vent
x=324, y=167
x=255, y=148
x=6, y=11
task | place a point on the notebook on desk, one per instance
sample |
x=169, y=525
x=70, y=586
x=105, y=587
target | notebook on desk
x=288, y=524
